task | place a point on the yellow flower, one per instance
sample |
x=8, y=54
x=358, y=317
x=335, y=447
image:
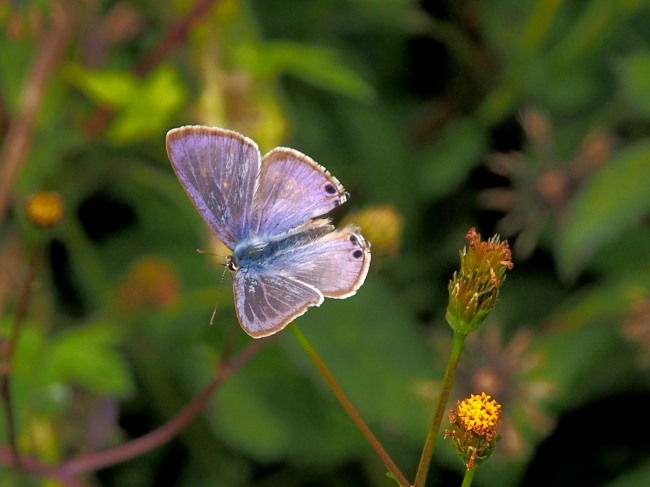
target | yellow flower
x=480, y=414
x=44, y=208
x=474, y=428
x=474, y=289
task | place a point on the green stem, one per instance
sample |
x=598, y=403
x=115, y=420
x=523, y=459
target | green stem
x=349, y=408
x=427, y=451
x=469, y=475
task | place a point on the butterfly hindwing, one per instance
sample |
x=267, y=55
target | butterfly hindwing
x=336, y=264
x=268, y=301
x=298, y=275
x=219, y=170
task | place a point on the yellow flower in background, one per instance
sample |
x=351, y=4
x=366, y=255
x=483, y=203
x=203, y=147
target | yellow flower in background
x=381, y=225
x=474, y=289
x=44, y=208
x=474, y=428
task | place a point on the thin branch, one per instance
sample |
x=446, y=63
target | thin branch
x=7, y=351
x=102, y=459
x=34, y=466
x=350, y=409
x=21, y=129
x=174, y=36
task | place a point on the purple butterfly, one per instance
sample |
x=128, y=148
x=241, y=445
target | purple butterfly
x=263, y=209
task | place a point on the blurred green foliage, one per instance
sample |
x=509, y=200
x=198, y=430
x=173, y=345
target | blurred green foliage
x=526, y=117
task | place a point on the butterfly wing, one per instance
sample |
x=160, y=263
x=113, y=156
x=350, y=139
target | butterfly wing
x=293, y=189
x=219, y=170
x=266, y=301
x=334, y=265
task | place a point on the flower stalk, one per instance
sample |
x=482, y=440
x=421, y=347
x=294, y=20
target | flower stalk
x=473, y=293
x=395, y=472
x=430, y=442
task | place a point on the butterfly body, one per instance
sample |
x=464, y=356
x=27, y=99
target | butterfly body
x=264, y=210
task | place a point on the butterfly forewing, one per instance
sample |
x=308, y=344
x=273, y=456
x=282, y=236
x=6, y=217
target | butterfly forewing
x=293, y=189
x=219, y=170
x=267, y=301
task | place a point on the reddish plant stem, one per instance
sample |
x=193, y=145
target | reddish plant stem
x=174, y=36
x=8, y=348
x=67, y=471
x=21, y=128
x=34, y=466
x=349, y=408
x=98, y=460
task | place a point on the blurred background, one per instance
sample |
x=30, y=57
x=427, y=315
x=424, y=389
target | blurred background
x=527, y=118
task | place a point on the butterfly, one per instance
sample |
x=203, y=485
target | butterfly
x=265, y=210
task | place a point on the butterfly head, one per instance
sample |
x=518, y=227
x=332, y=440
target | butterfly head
x=232, y=263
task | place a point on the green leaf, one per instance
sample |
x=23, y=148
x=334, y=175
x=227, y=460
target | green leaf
x=613, y=200
x=86, y=356
x=156, y=101
x=144, y=107
x=635, y=74
x=317, y=65
x=110, y=87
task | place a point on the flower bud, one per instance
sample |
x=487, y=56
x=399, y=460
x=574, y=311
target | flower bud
x=474, y=289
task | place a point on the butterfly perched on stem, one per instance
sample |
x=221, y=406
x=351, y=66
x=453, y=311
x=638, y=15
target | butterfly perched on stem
x=265, y=209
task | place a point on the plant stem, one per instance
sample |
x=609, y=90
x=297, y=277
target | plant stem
x=429, y=444
x=18, y=139
x=102, y=459
x=349, y=408
x=175, y=35
x=7, y=351
x=469, y=475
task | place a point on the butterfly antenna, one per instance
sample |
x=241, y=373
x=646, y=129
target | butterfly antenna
x=216, y=304
x=205, y=252
x=214, y=312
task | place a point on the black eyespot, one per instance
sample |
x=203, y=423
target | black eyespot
x=353, y=239
x=330, y=189
x=357, y=254
x=337, y=203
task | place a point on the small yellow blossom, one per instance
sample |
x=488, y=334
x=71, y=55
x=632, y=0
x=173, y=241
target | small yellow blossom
x=474, y=428
x=44, y=208
x=474, y=289
x=479, y=414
